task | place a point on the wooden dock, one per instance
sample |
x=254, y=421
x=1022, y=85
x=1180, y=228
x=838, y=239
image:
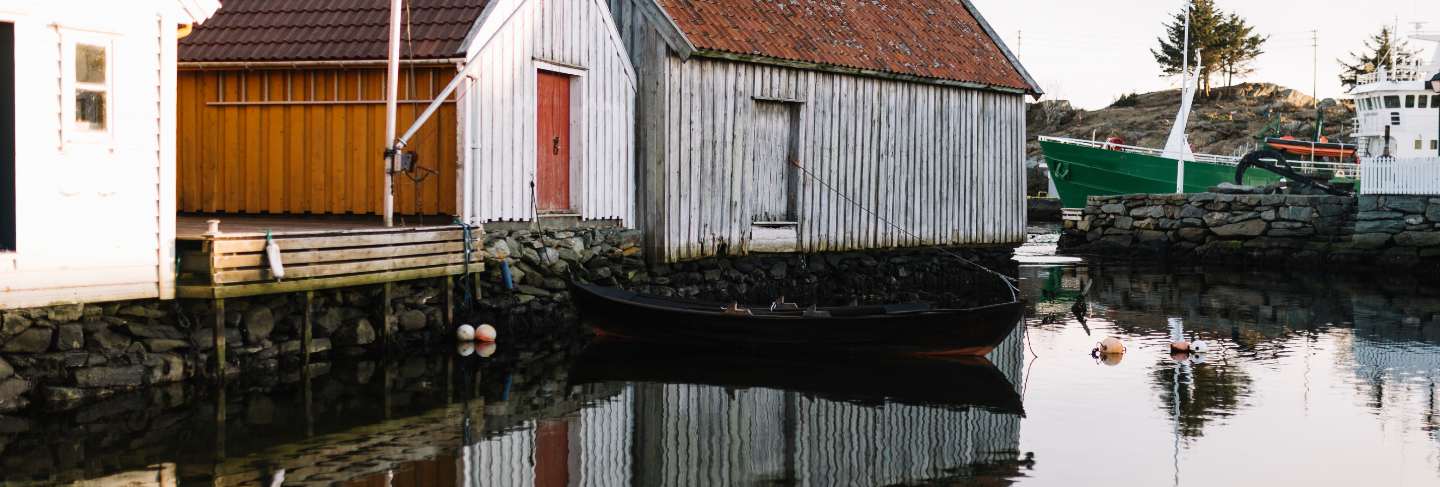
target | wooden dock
x=316, y=253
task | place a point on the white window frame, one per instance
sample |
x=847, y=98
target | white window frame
x=71, y=131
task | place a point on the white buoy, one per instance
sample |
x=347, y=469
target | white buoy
x=465, y=333
x=465, y=349
x=485, y=333
x=1199, y=346
x=272, y=255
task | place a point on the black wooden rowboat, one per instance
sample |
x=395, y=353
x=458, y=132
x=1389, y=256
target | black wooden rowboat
x=906, y=328
x=948, y=382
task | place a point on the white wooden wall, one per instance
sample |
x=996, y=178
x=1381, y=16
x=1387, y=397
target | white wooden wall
x=943, y=164
x=500, y=153
x=96, y=217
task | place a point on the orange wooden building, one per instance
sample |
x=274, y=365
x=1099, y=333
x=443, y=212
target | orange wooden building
x=282, y=114
x=281, y=111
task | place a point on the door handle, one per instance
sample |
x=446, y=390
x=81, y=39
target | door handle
x=556, y=148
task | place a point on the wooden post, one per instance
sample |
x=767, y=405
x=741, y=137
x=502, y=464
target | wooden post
x=385, y=291
x=219, y=340
x=306, y=333
x=220, y=419
x=449, y=302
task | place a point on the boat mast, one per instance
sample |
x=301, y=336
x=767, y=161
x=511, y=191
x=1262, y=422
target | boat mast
x=1184, y=90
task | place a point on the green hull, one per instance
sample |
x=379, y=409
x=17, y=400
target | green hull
x=1080, y=172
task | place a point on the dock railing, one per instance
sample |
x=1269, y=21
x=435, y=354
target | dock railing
x=1394, y=175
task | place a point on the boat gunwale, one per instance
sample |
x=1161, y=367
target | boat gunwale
x=789, y=317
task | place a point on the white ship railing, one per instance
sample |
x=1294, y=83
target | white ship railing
x=1392, y=175
x=1400, y=73
x=1207, y=158
x=1340, y=169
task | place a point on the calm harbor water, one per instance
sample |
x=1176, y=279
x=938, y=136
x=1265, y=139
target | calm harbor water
x=1315, y=380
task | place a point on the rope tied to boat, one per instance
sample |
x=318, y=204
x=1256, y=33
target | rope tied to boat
x=1008, y=281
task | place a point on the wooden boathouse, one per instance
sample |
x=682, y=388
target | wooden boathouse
x=281, y=117
x=281, y=111
x=87, y=157
x=770, y=126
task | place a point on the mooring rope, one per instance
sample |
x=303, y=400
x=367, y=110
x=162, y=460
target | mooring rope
x=1007, y=280
x=469, y=298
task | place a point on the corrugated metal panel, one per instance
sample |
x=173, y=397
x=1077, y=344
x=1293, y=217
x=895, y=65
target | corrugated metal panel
x=944, y=164
x=574, y=33
x=313, y=30
x=926, y=38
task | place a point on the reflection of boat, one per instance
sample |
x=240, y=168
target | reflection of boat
x=1307, y=148
x=903, y=328
x=929, y=381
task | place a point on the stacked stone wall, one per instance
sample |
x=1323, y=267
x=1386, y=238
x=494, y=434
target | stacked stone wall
x=1264, y=229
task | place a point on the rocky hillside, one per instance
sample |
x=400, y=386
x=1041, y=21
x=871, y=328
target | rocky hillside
x=1227, y=122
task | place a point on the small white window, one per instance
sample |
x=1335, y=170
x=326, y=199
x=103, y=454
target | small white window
x=92, y=88
x=1419, y=144
x=89, y=87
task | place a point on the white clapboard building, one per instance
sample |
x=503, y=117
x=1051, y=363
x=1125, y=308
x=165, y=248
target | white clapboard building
x=87, y=148
x=823, y=126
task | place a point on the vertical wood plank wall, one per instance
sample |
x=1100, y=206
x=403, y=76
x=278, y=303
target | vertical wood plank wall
x=943, y=164
x=578, y=34
x=308, y=141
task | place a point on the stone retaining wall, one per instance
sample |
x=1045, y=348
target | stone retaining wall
x=1387, y=231
x=541, y=262
x=66, y=355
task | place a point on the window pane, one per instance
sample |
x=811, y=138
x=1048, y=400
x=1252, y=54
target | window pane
x=89, y=64
x=90, y=109
x=1424, y=101
x=1409, y=101
x=1435, y=101
x=1419, y=144
x=1392, y=101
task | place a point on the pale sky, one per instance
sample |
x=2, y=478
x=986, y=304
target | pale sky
x=1090, y=52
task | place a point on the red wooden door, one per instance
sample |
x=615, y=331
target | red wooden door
x=552, y=173
x=552, y=453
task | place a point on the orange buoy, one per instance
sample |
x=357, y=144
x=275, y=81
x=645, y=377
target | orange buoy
x=1180, y=346
x=1111, y=346
x=487, y=349
x=485, y=333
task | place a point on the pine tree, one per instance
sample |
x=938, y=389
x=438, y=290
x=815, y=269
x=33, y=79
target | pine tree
x=1241, y=48
x=1375, y=55
x=1227, y=42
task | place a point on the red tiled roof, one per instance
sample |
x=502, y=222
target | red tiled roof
x=327, y=30
x=926, y=38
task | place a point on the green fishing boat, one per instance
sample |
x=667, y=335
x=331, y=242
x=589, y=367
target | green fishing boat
x=1081, y=168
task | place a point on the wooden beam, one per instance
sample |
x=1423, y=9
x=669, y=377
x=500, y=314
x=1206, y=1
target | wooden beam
x=335, y=241
x=241, y=290
x=310, y=256
x=343, y=268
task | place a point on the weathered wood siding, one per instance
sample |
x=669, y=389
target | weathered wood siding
x=578, y=35
x=309, y=141
x=943, y=165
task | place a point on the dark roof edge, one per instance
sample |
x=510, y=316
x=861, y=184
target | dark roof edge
x=315, y=63
x=830, y=68
x=667, y=28
x=1014, y=62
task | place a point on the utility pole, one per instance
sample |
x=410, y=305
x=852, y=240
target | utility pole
x=392, y=91
x=1315, y=66
x=1019, y=42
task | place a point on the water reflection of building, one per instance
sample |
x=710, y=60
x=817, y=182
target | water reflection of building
x=688, y=434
